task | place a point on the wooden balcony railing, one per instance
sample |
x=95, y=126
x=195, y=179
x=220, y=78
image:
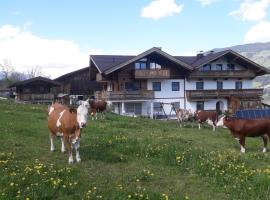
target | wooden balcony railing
x=223, y=74
x=125, y=95
x=152, y=73
x=211, y=94
x=36, y=97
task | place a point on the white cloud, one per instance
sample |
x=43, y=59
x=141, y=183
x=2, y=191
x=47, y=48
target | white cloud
x=207, y=2
x=252, y=10
x=26, y=50
x=258, y=33
x=161, y=8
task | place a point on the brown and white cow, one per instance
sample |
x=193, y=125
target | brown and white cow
x=98, y=107
x=184, y=115
x=207, y=116
x=242, y=128
x=67, y=123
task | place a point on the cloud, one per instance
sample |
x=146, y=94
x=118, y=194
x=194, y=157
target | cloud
x=252, y=10
x=207, y=2
x=26, y=50
x=258, y=33
x=161, y=8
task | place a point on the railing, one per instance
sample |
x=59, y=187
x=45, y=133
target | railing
x=209, y=94
x=36, y=97
x=152, y=73
x=222, y=74
x=125, y=95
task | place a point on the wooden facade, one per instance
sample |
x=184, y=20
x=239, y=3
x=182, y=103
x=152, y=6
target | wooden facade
x=36, y=90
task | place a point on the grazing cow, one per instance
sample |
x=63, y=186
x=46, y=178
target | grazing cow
x=184, y=115
x=207, y=116
x=98, y=107
x=67, y=123
x=242, y=128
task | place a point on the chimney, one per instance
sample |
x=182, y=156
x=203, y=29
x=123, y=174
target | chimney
x=200, y=54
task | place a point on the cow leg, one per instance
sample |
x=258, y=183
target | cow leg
x=76, y=146
x=242, y=143
x=52, y=144
x=265, y=141
x=199, y=126
x=69, y=150
x=63, y=149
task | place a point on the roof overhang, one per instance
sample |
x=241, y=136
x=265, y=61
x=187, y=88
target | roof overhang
x=148, y=52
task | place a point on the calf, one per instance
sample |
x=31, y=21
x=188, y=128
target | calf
x=184, y=115
x=67, y=123
x=207, y=116
x=98, y=107
x=242, y=128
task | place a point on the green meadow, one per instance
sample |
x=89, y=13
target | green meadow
x=127, y=158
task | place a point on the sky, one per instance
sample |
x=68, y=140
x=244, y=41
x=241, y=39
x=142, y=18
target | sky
x=58, y=36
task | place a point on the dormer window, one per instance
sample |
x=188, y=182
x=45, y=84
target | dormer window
x=154, y=66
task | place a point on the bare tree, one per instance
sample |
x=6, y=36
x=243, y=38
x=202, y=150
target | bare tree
x=34, y=72
x=9, y=74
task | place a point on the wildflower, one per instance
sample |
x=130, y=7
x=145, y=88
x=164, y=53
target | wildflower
x=11, y=184
x=129, y=196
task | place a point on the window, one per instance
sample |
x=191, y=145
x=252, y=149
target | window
x=157, y=107
x=175, y=86
x=230, y=66
x=156, y=86
x=199, y=85
x=238, y=85
x=176, y=105
x=131, y=86
x=206, y=67
x=140, y=65
x=200, y=105
x=155, y=66
x=219, y=67
x=219, y=85
x=134, y=108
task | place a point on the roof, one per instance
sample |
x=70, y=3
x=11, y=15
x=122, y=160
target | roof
x=71, y=74
x=39, y=78
x=109, y=63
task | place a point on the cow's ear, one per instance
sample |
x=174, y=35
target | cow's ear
x=72, y=110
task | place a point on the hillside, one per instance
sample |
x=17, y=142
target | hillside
x=127, y=158
x=260, y=53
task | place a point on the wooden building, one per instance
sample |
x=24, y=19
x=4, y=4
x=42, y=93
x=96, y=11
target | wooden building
x=35, y=90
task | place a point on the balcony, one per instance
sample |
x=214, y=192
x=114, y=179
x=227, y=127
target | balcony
x=152, y=73
x=223, y=74
x=49, y=97
x=125, y=95
x=197, y=95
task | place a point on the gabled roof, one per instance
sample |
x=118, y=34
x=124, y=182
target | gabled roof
x=113, y=63
x=109, y=63
x=105, y=62
x=39, y=78
x=71, y=74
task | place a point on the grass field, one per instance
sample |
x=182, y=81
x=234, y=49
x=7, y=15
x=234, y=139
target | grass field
x=127, y=158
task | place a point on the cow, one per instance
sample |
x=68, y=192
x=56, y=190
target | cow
x=184, y=115
x=242, y=128
x=98, y=107
x=67, y=123
x=207, y=116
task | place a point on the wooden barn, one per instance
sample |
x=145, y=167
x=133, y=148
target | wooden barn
x=36, y=90
x=77, y=85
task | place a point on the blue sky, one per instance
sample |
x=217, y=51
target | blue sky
x=48, y=33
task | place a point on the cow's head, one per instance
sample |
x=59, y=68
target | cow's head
x=222, y=120
x=82, y=113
